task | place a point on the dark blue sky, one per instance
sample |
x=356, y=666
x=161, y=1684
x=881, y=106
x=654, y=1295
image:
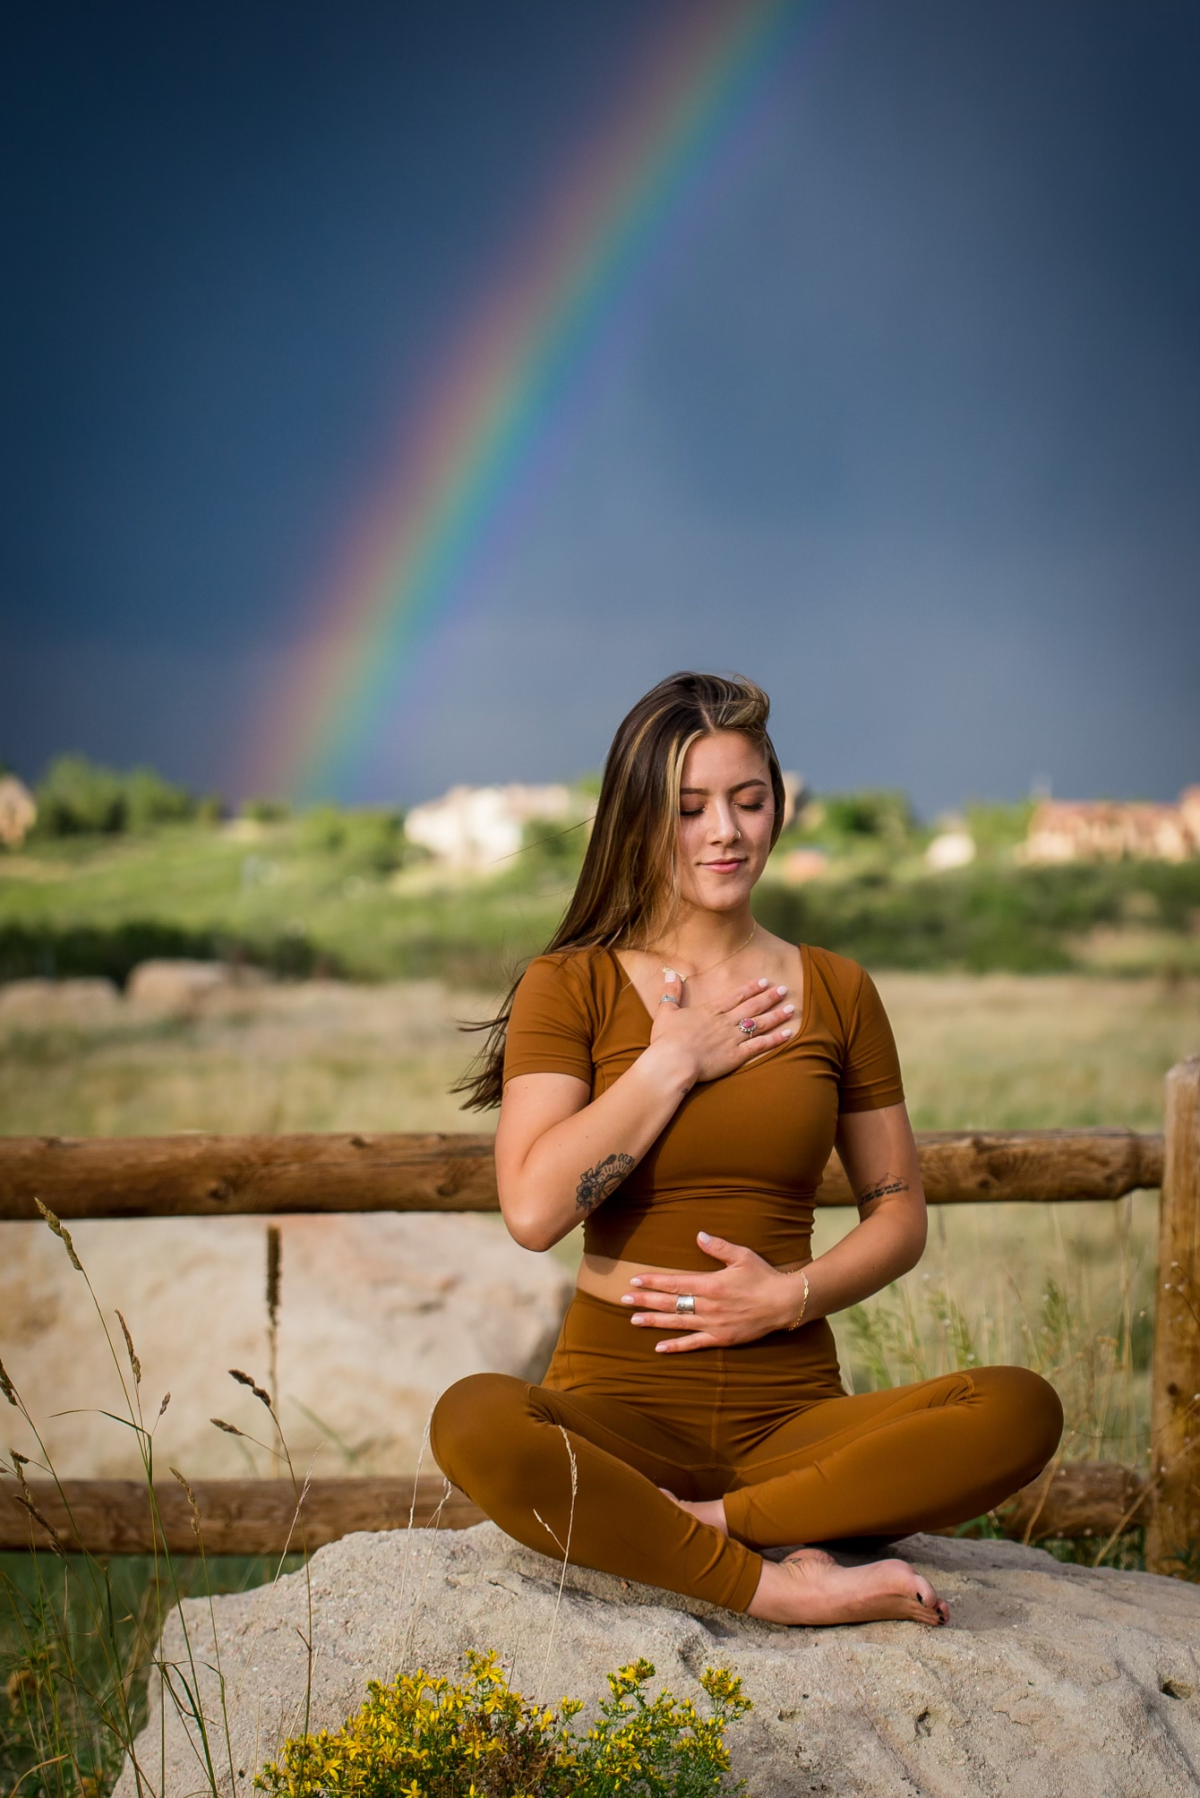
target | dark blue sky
x=906, y=424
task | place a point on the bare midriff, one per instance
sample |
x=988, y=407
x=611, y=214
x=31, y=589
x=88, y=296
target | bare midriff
x=606, y=1279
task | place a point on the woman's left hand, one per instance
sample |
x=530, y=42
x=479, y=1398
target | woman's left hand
x=745, y=1299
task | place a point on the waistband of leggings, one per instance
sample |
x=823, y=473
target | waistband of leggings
x=811, y=1343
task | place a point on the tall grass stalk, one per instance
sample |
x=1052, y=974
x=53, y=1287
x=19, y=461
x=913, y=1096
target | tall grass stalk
x=1026, y=1295
x=78, y=1683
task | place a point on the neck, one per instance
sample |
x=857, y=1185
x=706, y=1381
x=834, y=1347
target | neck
x=697, y=938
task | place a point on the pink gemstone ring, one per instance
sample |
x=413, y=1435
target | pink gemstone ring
x=748, y=1026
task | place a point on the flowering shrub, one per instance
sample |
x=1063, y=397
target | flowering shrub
x=421, y=1737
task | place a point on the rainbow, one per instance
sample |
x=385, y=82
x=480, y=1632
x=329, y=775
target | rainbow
x=502, y=388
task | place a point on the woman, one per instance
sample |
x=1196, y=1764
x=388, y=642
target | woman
x=675, y=1077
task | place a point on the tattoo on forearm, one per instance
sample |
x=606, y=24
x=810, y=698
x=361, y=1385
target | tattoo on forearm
x=597, y=1182
x=882, y=1188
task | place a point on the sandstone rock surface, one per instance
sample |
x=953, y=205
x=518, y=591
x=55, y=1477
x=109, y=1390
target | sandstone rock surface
x=380, y=1313
x=179, y=986
x=1051, y=1680
x=39, y=1004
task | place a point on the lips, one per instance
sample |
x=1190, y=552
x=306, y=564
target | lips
x=724, y=867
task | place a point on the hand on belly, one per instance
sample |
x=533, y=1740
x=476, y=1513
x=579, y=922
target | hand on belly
x=742, y=1300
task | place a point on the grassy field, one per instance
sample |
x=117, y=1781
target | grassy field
x=342, y=893
x=1068, y=1289
x=995, y=1051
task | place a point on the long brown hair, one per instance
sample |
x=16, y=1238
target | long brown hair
x=628, y=887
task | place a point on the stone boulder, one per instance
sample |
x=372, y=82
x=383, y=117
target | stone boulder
x=379, y=1313
x=1050, y=1680
x=179, y=987
x=47, y=1004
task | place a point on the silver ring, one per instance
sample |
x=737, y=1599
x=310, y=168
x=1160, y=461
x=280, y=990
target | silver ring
x=685, y=1305
x=668, y=999
x=748, y=1026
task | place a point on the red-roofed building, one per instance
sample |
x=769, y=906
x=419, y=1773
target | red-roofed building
x=1106, y=830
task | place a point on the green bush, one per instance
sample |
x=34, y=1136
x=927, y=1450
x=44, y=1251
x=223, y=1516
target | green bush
x=980, y=918
x=553, y=846
x=77, y=797
x=266, y=811
x=366, y=841
x=71, y=951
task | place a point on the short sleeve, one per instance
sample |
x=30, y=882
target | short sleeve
x=871, y=1070
x=551, y=1027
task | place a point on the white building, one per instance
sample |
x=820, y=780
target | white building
x=18, y=811
x=477, y=827
x=1103, y=830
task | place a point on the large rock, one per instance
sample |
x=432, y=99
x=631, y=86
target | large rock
x=178, y=987
x=1051, y=1680
x=380, y=1313
x=37, y=1004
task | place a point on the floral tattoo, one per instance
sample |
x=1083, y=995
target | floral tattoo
x=597, y=1182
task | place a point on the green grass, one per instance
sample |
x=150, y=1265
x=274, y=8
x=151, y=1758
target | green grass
x=341, y=893
x=1065, y=1288
x=76, y=1639
x=277, y=895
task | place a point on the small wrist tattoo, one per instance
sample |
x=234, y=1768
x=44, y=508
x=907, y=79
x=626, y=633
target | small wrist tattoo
x=883, y=1188
x=596, y=1183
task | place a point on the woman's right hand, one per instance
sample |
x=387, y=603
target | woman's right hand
x=706, y=1035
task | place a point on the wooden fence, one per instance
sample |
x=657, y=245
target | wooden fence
x=222, y=1176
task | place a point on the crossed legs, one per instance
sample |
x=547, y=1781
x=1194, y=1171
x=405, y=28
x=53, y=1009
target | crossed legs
x=651, y=1506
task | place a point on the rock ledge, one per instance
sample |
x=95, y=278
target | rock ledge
x=1050, y=1680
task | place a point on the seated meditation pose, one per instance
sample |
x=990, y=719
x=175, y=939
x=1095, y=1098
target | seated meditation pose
x=675, y=1077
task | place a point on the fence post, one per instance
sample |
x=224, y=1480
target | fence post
x=1173, y=1537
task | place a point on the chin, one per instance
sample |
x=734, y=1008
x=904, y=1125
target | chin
x=724, y=895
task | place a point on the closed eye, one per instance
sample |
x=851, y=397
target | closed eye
x=743, y=805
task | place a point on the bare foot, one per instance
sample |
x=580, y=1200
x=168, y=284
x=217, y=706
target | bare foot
x=810, y=1587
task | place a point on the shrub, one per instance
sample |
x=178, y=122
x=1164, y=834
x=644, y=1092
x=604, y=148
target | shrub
x=364, y=840
x=53, y=951
x=421, y=1737
x=267, y=811
x=77, y=797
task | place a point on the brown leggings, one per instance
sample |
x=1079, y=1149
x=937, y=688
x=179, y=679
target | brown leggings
x=766, y=1426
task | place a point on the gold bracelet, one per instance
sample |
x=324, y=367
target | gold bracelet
x=803, y=1303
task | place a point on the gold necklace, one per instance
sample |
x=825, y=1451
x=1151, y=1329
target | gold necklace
x=698, y=972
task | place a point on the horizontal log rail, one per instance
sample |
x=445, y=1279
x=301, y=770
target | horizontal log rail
x=1088, y=1499
x=194, y=1175
x=225, y=1176
x=237, y=1517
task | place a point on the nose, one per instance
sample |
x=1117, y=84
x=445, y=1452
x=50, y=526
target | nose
x=724, y=827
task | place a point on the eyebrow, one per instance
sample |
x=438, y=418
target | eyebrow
x=741, y=783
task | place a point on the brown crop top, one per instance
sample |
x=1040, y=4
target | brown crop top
x=742, y=1156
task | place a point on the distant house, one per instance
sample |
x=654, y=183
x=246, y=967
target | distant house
x=1105, y=830
x=18, y=811
x=952, y=848
x=475, y=827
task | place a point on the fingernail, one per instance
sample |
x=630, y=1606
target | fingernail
x=704, y=1236
x=670, y=974
x=635, y=1280
x=781, y=990
x=764, y=983
x=627, y=1298
x=788, y=1030
x=788, y=1010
